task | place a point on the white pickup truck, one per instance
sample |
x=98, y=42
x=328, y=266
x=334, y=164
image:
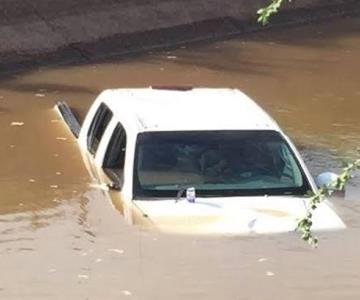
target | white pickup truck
x=197, y=161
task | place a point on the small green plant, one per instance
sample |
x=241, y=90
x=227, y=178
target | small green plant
x=304, y=225
x=265, y=13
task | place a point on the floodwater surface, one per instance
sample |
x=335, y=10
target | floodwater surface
x=62, y=238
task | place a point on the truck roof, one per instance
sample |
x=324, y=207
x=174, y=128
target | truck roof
x=188, y=109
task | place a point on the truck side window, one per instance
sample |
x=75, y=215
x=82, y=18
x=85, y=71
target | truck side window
x=115, y=155
x=97, y=128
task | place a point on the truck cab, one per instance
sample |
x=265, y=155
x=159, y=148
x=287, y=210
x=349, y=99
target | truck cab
x=156, y=146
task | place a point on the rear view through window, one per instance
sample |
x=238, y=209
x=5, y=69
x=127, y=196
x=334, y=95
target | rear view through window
x=216, y=163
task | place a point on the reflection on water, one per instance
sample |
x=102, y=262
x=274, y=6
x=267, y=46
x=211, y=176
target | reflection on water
x=62, y=238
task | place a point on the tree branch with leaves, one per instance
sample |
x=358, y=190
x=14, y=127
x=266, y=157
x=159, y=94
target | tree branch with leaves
x=266, y=12
x=305, y=224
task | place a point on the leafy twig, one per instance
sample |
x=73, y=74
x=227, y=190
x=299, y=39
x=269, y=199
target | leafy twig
x=266, y=12
x=304, y=225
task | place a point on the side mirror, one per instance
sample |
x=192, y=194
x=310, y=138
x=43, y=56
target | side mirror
x=325, y=179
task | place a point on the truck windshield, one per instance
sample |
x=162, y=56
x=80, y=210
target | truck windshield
x=216, y=164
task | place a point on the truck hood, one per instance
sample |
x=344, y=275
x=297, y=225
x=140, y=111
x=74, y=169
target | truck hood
x=235, y=215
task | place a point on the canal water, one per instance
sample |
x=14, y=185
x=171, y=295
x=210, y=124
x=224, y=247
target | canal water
x=62, y=238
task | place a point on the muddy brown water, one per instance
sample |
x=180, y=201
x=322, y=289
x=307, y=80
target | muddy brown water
x=60, y=238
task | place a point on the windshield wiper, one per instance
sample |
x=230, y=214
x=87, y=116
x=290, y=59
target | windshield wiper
x=289, y=193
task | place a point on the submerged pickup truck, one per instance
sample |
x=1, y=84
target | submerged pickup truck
x=197, y=160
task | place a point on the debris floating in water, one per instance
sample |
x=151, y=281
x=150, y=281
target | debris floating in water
x=12, y=146
x=270, y=274
x=32, y=180
x=83, y=276
x=119, y=251
x=52, y=270
x=55, y=121
x=99, y=260
x=58, y=173
x=54, y=186
x=171, y=57
x=262, y=259
x=60, y=138
x=40, y=95
x=126, y=293
x=17, y=123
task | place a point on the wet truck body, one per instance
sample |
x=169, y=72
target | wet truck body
x=197, y=161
